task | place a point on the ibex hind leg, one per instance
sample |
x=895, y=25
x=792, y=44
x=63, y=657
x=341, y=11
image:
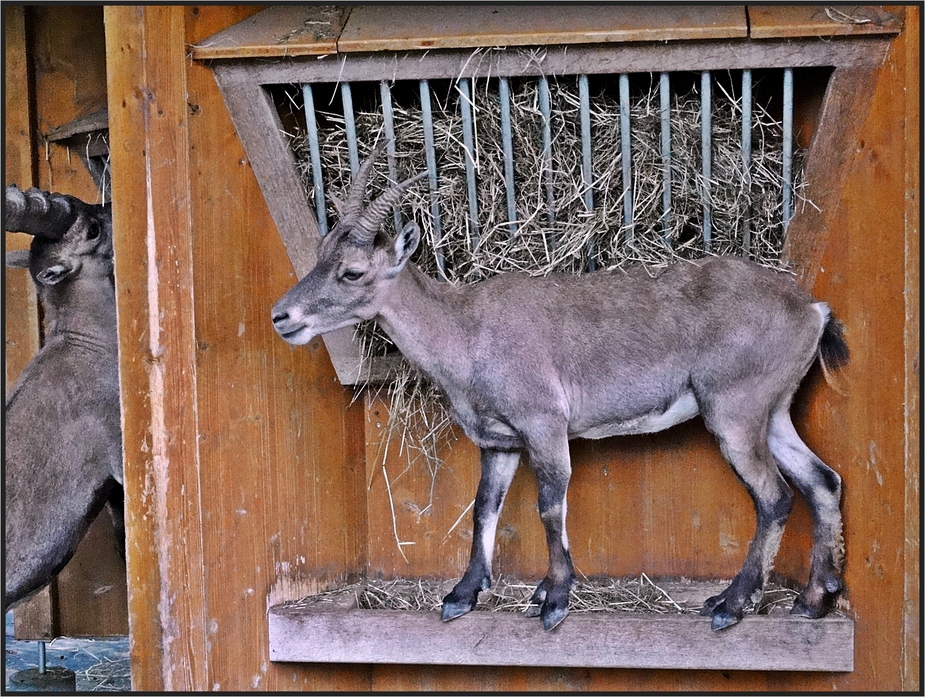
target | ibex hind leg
x=742, y=437
x=553, y=470
x=821, y=487
x=498, y=470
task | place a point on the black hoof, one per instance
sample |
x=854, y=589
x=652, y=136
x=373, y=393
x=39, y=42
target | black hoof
x=553, y=616
x=811, y=611
x=723, y=618
x=454, y=609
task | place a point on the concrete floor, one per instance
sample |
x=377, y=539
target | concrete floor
x=100, y=665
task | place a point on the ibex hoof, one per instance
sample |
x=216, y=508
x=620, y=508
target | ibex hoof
x=454, y=609
x=552, y=617
x=723, y=618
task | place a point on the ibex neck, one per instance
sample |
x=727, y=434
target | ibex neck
x=425, y=320
x=83, y=313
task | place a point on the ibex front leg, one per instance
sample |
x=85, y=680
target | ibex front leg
x=498, y=470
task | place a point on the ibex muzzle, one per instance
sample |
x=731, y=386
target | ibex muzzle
x=529, y=363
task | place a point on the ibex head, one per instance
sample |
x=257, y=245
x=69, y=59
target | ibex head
x=356, y=265
x=69, y=236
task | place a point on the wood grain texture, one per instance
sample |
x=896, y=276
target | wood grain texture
x=148, y=123
x=289, y=30
x=591, y=640
x=435, y=26
x=912, y=623
x=779, y=21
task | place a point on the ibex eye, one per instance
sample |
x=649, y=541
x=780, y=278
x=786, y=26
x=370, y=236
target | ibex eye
x=93, y=231
x=352, y=275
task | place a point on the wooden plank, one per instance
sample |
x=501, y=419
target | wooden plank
x=440, y=26
x=148, y=121
x=678, y=642
x=290, y=30
x=844, y=111
x=773, y=21
x=912, y=596
x=570, y=60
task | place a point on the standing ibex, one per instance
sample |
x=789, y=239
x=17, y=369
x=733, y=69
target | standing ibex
x=528, y=363
x=63, y=437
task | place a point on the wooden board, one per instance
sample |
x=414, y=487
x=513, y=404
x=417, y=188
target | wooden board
x=288, y=30
x=779, y=21
x=601, y=640
x=440, y=26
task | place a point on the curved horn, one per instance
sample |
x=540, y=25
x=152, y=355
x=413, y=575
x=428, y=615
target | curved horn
x=38, y=213
x=366, y=226
x=354, y=203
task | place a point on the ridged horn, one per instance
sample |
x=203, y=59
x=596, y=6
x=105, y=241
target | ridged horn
x=38, y=213
x=353, y=206
x=364, y=228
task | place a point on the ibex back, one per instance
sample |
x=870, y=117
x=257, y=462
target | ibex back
x=63, y=436
x=528, y=363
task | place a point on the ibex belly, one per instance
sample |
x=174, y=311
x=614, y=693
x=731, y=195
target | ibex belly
x=683, y=408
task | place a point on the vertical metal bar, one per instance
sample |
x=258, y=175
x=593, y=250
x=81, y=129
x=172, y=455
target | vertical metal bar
x=747, y=159
x=465, y=108
x=431, y=157
x=314, y=149
x=706, y=152
x=626, y=155
x=388, y=122
x=350, y=127
x=546, y=114
x=584, y=113
x=507, y=142
x=788, y=147
x=42, y=659
x=665, y=113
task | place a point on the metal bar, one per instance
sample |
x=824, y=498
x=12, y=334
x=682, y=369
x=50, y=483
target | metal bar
x=507, y=143
x=388, y=122
x=465, y=108
x=546, y=113
x=665, y=113
x=788, y=148
x=431, y=157
x=584, y=112
x=42, y=659
x=747, y=159
x=706, y=153
x=314, y=149
x=626, y=155
x=350, y=126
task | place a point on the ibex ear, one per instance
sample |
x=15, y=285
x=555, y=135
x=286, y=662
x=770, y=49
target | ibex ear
x=53, y=274
x=405, y=243
x=18, y=259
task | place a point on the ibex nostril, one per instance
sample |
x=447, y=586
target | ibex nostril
x=280, y=317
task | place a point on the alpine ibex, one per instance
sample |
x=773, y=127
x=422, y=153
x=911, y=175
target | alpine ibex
x=63, y=437
x=528, y=363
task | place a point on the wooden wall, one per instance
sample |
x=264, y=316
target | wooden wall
x=56, y=72
x=251, y=478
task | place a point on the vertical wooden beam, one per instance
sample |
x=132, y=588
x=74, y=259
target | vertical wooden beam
x=911, y=664
x=146, y=60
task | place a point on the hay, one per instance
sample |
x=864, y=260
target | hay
x=741, y=206
x=607, y=595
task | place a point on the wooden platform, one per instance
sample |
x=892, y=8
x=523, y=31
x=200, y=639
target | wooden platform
x=330, y=632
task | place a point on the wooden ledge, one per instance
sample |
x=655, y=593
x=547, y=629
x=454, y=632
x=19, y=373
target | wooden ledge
x=335, y=630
